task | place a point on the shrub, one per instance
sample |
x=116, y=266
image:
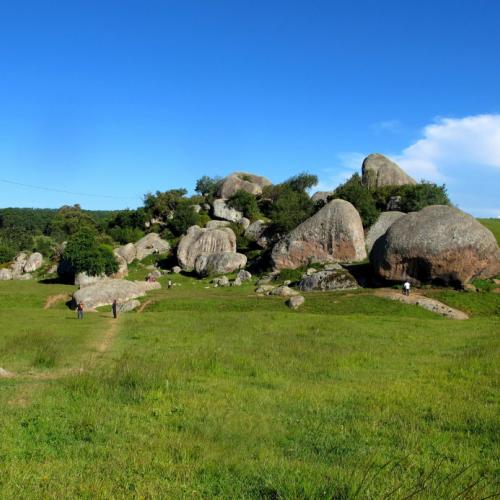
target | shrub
x=125, y=235
x=83, y=253
x=289, y=210
x=245, y=203
x=183, y=218
x=7, y=253
x=45, y=245
x=302, y=181
x=362, y=198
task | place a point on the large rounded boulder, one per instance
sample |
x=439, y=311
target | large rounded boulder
x=150, y=244
x=334, y=234
x=383, y=223
x=378, y=171
x=237, y=181
x=199, y=241
x=219, y=263
x=438, y=244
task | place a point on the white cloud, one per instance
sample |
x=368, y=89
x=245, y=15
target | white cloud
x=464, y=153
x=450, y=144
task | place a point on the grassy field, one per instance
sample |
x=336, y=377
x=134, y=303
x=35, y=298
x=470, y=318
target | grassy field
x=493, y=225
x=219, y=392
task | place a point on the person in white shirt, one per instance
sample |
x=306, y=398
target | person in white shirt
x=406, y=288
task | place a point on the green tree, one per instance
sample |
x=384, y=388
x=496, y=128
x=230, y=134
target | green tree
x=289, y=210
x=183, y=218
x=302, y=182
x=245, y=203
x=69, y=220
x=7, y=253
x=208, y=186
x=83, y=253
x=163, y=204
x=361, y=197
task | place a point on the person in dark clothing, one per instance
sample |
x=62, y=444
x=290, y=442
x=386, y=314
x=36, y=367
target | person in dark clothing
x=114, y=308
x=79, y=310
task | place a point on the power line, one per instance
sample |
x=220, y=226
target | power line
x=55, y=190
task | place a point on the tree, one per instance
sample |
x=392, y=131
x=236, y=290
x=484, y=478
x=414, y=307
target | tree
x=163, y=204
x=68, y=220
x=289, y=210
x=183, y=218
x=302, y=181
x=7, y=253
x=361, y=197
x=245, y=203
x=208, y=186
x=83, y=253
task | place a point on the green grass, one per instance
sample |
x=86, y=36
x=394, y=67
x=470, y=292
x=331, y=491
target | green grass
x=221, y=393
x=493, y=225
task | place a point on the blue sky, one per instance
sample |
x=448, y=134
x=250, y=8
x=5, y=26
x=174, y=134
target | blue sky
x=116, y=99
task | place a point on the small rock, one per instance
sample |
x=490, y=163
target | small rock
x=236, y=282
x=295, y=302
x=130, y=305
x=222, y=281
x=5, y=274
x=244, y=222
x=244, y=275
x=176, y=269
x=311, y=271
x=284, y=291
x=333, y=267
x=287, y=282
x=264, y=289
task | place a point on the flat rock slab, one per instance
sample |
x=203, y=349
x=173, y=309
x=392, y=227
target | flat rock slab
x=432, y=305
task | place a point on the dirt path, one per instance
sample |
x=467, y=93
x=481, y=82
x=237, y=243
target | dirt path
x=415, y=298
x=54, y=299
x=101, y=347
x=145, y=304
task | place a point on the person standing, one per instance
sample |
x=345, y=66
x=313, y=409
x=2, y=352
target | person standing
x=406, y=288
x=114, y=308
x=169, y=283
x=79, y=310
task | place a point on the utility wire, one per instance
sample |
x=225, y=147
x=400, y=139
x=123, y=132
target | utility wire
x=55, y=190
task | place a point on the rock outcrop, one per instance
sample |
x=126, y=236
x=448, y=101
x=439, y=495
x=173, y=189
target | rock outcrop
x=382, y=224
x=5, y=274
x=219, y=263
x=334, y=234
x=250, y=183
x=33, y=262
x=216, y=224
x=438, y=244
x=321, y=196
x=104, y=292
x=379, y=171
x=255, y=230
x=128, y=252
x=149, y=244
x=328, y=280
x=199, y=241
x=222, y=211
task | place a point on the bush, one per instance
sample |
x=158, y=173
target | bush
x=362, y=198
x=83, y=253
x=124, y=235
x=45, y=245
x=289, y=210
x=302, y=181
x=245, y=203
x=7, y=253
x=183, y=218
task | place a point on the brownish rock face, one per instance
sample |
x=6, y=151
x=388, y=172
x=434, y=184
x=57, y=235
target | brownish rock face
x=334, y=234
x=438, y=244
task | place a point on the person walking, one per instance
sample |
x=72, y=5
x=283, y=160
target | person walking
x=406, y=288
x=169, y=283
x=79, y=310
x=114, y=308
